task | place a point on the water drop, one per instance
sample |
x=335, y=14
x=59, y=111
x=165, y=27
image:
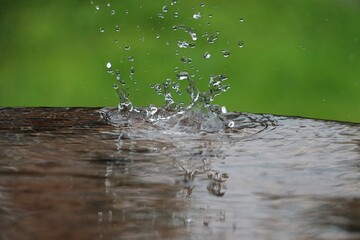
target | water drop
x=157, y=36
x=226, y=53
x=131, y=58
x=210, y=15
x=240, y=44
x=117, y=28
x=207, y=55
x=182, y=76
x=132, y=71
x=102, y=29
x=127, y=48
x=202, y=4
x=108, y=65
x=108, y=4
x=173, y=2
x=113, y=12
x=193, y=35
x=241, y=20
x=211, y=38
x=97, y=8
x=115, y=86
x=197, y=15
x=165, y=9
x=126, y=11
x=183, y=44
x=176, y=14
x=231, y=124
x=160, y=15
x=116, y=41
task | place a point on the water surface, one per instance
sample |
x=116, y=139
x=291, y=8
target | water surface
x=68, y=173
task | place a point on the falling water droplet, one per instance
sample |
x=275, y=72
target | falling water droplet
x=240, y=44
x=131, y=58
x=182, y=76
x=102, y=29
x=207, y=55
x=197, y=15
x=226, y=53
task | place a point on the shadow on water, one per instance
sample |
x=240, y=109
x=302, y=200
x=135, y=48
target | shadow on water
x=66, y=173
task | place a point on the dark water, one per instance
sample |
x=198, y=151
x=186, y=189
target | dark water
x=67, y=174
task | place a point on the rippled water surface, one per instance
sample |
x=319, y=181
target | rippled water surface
x=69, y=174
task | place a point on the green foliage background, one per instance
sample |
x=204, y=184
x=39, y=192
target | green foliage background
x=299, y=57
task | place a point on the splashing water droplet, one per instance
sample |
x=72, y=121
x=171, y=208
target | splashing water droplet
x=173, y=2
x=164, y=8
x=193, y=35
x=115, y=86
x=117, y=28
x=241, y=19
x=108, y=4
x=183, y=44
x=197, y=15
x=113, y=12
x=127, y=48
x=160, y=15
x=182, y=76
x=97, y=8
x=202, y=4
x=108, y=65
x=226, y=53
x=102, y=29
x=240, y=44
x=131, y=58
x=176, y=14
x=207, y=55
x=211, y=38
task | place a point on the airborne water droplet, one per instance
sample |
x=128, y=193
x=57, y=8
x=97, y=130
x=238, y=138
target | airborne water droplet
x=197, y=15
x=226, y=53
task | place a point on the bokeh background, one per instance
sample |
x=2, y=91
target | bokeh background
x=299, y=58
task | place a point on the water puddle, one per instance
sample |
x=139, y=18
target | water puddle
x=267, y=177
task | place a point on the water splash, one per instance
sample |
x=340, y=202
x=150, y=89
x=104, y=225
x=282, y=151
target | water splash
x=198, y=109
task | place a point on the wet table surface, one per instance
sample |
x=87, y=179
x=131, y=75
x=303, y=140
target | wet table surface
x=66, y=173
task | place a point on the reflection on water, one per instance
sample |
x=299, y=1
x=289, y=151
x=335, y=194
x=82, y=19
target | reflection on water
x=65, y=173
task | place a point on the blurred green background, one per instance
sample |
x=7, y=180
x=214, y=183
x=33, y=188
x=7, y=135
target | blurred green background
x=299, y=58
